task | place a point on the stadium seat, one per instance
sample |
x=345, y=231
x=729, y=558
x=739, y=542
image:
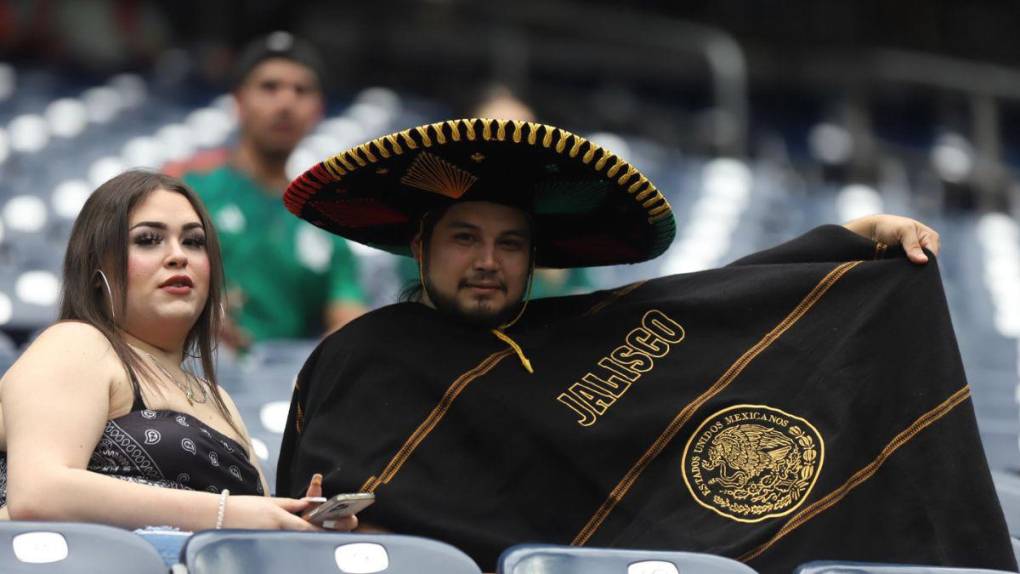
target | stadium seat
x=1007, y=486
x=167, y=542
x=72, y=548
x=270, y=552
x=551, y=559
x=830, y=567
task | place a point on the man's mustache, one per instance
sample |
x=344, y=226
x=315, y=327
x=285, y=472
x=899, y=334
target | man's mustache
x=482, y=282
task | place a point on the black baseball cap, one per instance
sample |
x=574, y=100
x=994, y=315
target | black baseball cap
x=279, y=44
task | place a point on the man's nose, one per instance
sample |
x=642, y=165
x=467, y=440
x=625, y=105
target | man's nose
x=486, y=257
x=286, y=97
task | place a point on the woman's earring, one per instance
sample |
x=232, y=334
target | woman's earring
x=109, y=292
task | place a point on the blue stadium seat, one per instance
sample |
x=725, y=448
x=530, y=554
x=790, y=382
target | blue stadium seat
x=167, y=542
x=73, y=548
x=24, y=315
x=8, y=354
x=249, y=405
x=1007, y=487
x=552, y=559
x=832, y=567
x=271, y=552
x=264, y=376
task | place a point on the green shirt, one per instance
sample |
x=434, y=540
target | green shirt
x=284, y=271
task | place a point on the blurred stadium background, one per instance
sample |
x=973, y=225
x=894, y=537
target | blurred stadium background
x=759, y=120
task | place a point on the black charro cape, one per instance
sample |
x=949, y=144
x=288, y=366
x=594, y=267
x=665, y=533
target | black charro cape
x=807, y=402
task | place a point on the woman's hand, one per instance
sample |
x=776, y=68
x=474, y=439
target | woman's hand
x=273, y=514
x=266, y=513
x=895, y=230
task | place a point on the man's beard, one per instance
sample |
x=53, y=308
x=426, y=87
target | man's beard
x=275, y=153
x=476, y=316
x=274, y=149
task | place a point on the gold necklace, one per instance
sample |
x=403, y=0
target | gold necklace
x=186, y=387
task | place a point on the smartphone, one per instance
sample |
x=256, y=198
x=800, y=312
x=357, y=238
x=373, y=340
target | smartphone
x=340, y=506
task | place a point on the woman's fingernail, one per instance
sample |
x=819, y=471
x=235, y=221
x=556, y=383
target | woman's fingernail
x=329, y=524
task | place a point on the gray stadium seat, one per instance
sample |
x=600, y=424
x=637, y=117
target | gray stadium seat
x=551, y=559
x=74, y=548
x=8, y=353
x=272, y=552
x=1007, y=486
x=829, y=567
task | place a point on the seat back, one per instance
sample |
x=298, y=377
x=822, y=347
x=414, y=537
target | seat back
x=259, y=551
x=835, y=567
x=1007, y=487
x=551, y=559
x=74, y=548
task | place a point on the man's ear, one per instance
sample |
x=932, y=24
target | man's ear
x=239, y=107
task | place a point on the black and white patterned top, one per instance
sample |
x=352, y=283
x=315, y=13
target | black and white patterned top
x=169, y=449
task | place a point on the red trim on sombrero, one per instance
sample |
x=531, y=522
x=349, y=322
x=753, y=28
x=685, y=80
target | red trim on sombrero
x=355, y=212
x=298, y=193
x=320, y=171
x=305, y=186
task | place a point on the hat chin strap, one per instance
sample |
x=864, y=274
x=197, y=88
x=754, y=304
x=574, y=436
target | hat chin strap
x=498, y=331
x=527, y=295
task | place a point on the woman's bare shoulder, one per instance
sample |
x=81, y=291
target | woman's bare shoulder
x=67, y=346
x=81, y=330
x=74, y=336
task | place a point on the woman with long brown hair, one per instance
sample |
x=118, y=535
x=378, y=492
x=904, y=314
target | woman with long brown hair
x=103, y=422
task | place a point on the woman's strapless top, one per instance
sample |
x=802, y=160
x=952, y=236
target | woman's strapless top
x=169, y=449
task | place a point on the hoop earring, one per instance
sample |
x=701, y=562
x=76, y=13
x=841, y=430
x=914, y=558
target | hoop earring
x=109, y=292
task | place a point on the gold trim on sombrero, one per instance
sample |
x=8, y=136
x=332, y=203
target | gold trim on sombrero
x=561, y=141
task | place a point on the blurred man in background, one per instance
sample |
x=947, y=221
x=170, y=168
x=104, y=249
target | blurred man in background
x=286, y=278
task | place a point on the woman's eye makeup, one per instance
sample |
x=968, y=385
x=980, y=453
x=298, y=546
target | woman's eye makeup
x=152, y=238
x=147, y=238
x=197, y=240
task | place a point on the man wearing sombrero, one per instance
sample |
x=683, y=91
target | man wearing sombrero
x=766, y=411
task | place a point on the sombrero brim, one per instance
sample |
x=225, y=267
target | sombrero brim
x=589, y=206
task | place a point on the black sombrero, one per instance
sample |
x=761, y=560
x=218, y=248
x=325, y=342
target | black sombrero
x=589, y=206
